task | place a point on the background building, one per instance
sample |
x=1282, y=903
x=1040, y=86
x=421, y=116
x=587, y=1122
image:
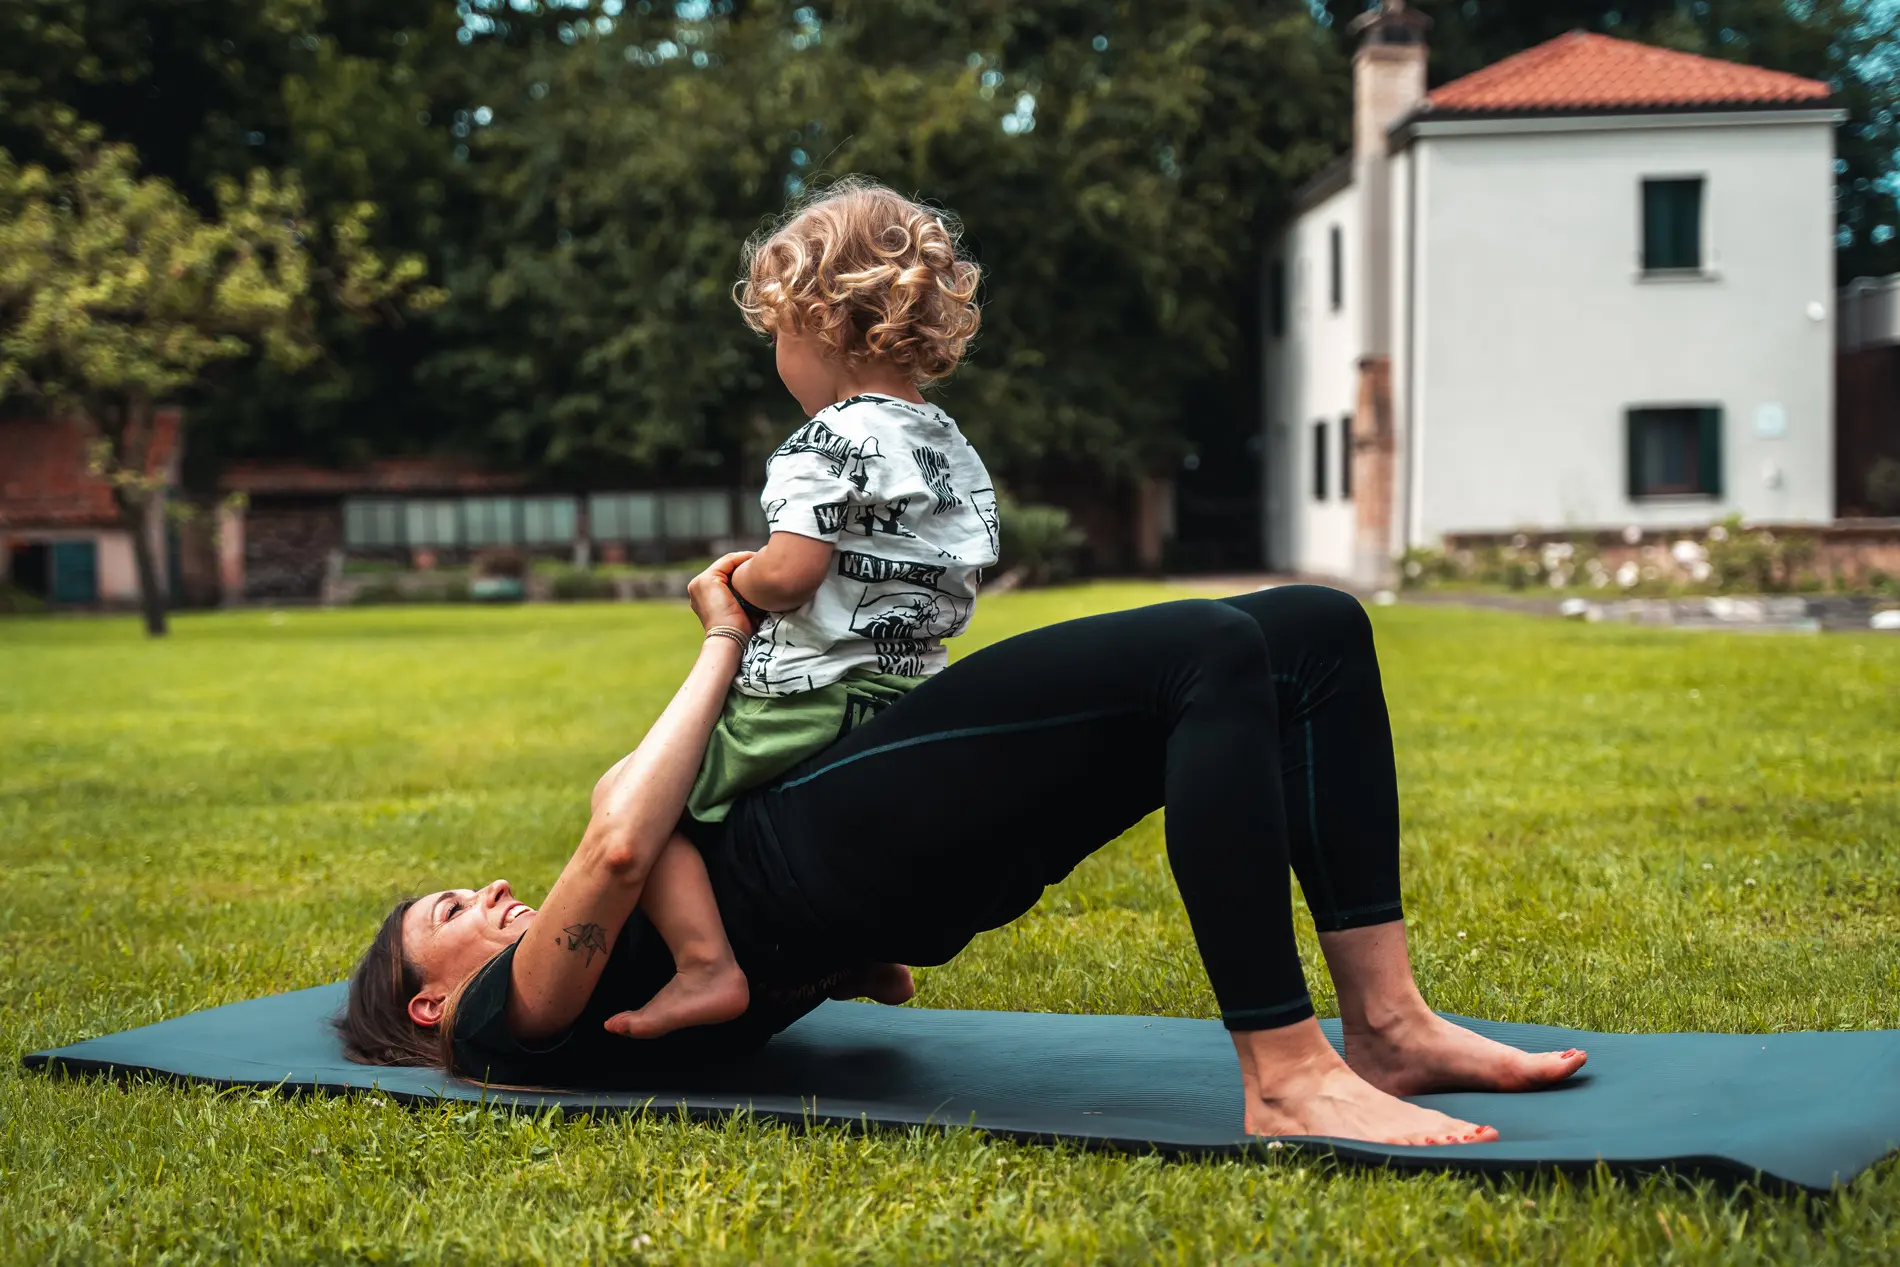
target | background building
x=1586, y=287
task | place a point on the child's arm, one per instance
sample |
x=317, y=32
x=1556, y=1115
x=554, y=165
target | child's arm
x=785, y=574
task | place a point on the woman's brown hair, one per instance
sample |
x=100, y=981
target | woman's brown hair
x=375, y=1025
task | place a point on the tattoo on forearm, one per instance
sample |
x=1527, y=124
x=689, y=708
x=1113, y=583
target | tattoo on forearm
x=588, y=937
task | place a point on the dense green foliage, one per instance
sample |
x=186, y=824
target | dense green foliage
x=581, y=173
x=1604, y=827
x=1110, y=164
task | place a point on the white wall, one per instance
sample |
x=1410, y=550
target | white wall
x=1312, y=374
x=1536, y=331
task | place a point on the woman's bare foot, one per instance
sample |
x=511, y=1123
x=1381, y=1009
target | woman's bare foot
x=1424, y=1053
x=1297, y=1085
x=879, y=982
x=1339, y=1104
x=698, y=994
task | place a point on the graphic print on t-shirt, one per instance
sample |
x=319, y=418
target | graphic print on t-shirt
x=909, y=615
x=875, y=571
x=984, y=499
x=830, y=516
x=901, y=482
x=757, y=663
x=936, y=470
x=887, y=517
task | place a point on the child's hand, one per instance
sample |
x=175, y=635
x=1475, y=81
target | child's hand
x=711, y=594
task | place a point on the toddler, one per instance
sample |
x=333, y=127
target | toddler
x=882, y=519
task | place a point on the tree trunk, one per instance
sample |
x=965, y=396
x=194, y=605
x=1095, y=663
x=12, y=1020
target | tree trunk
x=126, y=424
x=152, y=597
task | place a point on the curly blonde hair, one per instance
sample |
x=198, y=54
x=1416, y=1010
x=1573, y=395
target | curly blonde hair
x=868, y=273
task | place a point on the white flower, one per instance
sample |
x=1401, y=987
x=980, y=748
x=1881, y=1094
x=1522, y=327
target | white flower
x=1718, y=533
x=1650, y=573
x=1688, y=552
x=1519, y=541
x=1559, y=578
x=1412, y=569
x=1627, y=575
x=1632, y=534
x=1700, y=571
x=1599, y=579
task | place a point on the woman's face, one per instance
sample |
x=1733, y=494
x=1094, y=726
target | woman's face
x=450, y=934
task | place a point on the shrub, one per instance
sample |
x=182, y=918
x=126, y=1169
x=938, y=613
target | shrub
x=1039, y=544
x=578, y=585
x=1883, y=487
x=377, y=591
x=15, y=601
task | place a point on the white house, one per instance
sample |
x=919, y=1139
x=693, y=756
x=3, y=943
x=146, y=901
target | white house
x=1587, y=287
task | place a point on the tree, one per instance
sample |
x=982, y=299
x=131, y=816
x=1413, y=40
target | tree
x=1853, y=45
x=117, y=294
x=352, y=100
x=1111, y=164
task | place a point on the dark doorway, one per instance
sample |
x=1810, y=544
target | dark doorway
x=28, y=566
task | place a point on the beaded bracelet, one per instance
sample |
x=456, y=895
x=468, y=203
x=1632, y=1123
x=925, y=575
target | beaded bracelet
x=733, y=632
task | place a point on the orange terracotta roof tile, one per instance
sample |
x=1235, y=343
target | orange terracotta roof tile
x=1586, y=71
x=390, y=475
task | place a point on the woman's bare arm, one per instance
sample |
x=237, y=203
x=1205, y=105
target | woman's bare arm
x=637, y=805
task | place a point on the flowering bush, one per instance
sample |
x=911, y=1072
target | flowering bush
x=1728, y=557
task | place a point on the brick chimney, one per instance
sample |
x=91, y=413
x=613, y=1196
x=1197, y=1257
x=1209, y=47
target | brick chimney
x=1388, y=82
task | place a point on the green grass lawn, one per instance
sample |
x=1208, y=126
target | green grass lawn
x=1607, y=828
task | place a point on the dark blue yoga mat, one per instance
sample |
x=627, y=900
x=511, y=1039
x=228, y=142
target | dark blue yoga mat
x=1811, y=1109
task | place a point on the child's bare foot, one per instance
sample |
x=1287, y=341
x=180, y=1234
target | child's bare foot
x=1334, y=1101
x=698, y=994
x=879, y=982
x=1424, y=1053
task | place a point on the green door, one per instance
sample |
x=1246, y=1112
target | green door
x=75, y=572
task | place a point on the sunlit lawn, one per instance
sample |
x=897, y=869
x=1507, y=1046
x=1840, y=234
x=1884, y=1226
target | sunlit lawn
x=1606, y=828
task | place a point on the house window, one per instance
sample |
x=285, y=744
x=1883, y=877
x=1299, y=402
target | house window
x=623, y=517
x=432, y=523
x=1319, y=461
x=1336, y=258
x=1345, y=458
x=371, y=523
x=547, y=521
x=1672, y=225
x=696, y=516
x=1276, y=298
x=492, y=521
x=1675, y=452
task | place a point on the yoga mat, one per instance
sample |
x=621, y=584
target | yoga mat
x=1809, y=1110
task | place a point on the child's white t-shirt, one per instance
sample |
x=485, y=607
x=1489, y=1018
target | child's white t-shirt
x=912, y=512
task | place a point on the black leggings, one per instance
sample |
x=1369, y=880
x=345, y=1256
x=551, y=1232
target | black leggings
x=948, y=813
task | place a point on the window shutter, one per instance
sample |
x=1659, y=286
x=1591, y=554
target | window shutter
x=1655, y=232
x=1689, y=224
x=1632, y=450
x=1708, y=464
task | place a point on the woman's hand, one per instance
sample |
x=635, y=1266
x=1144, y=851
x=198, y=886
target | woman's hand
x=712, y=597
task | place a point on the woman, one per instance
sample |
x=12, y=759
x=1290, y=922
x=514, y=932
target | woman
x=946, y=815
